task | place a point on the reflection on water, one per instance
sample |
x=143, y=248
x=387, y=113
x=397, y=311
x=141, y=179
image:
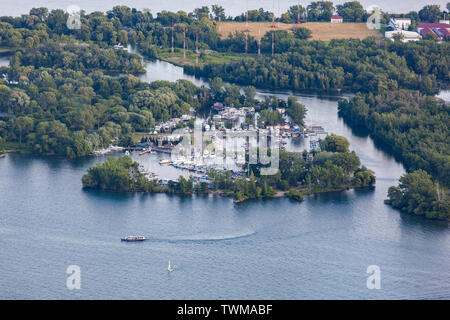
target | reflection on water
x=4, y=61
x=444, y=94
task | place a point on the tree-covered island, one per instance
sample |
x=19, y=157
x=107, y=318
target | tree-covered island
x=334, y=168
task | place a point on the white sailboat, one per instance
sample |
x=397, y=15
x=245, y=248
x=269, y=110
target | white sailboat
x=170, y=267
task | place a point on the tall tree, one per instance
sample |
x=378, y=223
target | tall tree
x=352, y=11
x=430, y=13
x=218, y=11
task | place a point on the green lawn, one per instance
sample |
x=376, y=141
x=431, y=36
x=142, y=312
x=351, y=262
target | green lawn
x=211, y=57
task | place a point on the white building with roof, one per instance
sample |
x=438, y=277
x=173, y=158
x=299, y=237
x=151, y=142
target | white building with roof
x=402, y=23
x=407, y=35
x=336, y=19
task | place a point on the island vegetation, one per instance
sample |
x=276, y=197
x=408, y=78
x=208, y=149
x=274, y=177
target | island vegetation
x=417, y=194
x=335, y=168
x=415, y=128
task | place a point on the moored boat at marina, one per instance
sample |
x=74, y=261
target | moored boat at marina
x=165, y=161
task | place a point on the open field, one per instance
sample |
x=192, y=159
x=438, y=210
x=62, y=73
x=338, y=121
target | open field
x=320, y=30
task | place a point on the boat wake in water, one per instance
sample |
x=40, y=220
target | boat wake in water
x=205, y=237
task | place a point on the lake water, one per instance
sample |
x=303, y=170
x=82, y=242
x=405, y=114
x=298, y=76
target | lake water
x=232, y=7
x=4, y=61
x=268, y=249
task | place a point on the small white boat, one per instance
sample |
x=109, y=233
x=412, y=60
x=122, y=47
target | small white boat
x=165, y=161
x=170, y=267
x=134, y=238
x=127, y=153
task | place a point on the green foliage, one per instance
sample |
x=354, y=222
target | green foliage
x=268, y=118
x=296, y=111
x=66, y=105
x=334, y=143
x=369, y=65
x=302, y=33
x=250, y=188
x=185, y=186
x=352, y=11
x=82, y=57
x=320, y=11
x=116, y=174
x=413, y=126
x=294, y=194
x=416, y=194
x=327, y=170
x=430, y=13
x=364, y=177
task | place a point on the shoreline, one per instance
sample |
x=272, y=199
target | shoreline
x=223, y=193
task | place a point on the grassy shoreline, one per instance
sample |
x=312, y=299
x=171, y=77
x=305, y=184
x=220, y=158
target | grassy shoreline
x=304, y=192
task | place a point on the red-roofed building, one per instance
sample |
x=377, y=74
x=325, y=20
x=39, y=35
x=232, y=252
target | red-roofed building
x=337, y=19
x=438, y=30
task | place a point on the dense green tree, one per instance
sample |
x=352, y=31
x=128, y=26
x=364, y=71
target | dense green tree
x=302, y=33
x=320, y=11
x=430, y=13
x=412, y=126
x=416, y=194
x=296, y=111
x=22, y=125
x=334, y=143
x=352, y=11
x=219, y=12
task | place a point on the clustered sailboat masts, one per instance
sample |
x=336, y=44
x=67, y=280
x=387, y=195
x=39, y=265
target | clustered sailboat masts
x=259, y=40
x=273, y=27
x=184, y=43
x=246, y=30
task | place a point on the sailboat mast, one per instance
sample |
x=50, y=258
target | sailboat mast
x=172, y=38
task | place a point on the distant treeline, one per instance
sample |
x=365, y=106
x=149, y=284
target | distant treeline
x=369, y=65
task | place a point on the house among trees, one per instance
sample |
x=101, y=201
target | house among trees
x=403, y=35
x=400, y=23
x=336, y=19
x=439, y=31
x=218, y=106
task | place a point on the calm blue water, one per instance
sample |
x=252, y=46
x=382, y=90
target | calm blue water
x=271, y=249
